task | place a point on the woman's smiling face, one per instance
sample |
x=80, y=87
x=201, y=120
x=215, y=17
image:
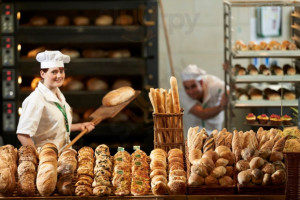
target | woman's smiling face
x=54, y=77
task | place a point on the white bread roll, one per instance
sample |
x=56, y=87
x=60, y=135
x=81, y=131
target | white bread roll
x=118, y=96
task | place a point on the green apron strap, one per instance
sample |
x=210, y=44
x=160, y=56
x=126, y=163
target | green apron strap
x=63, y=111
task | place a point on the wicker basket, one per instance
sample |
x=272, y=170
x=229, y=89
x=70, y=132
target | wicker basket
x=264, y=190
x=205, y=189
x=168, y=131
x=293, y=177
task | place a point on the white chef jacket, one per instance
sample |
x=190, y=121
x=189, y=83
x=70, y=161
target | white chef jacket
x=42, y=119
x=213, y=88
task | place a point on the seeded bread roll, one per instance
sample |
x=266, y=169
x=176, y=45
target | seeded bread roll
x=176, y=187
x=118, y=96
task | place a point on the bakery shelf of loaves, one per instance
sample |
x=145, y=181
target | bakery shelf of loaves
x=221, y=164
x=259, y=85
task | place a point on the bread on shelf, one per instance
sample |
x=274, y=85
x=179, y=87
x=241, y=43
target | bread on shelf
x=38, y=21
x=70, y=52
x=263, y=69
x=62, y=20
x=238, y=70
x=255, y=94
x=272, y=95
x=104, y=20
x=289, y=70
x=241, y=94
x=240, y=46
x=32, y=53
x=124, y=19
x=274, y=45
x=93, y=53
x=252, y=70
x=81, y=21
x=95, y=84
x=276, y=70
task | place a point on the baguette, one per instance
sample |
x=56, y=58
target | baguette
x=236, y=146
x=228, y=140
x=175, y=95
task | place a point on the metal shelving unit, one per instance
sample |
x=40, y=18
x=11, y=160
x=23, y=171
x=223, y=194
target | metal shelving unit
x=230, y=55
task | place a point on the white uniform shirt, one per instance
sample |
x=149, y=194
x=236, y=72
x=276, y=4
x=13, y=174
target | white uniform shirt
x=42, y=120
x=213, y=88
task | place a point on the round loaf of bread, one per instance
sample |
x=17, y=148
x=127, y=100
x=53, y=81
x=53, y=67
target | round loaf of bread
x=118, y=96
x=159, y=188
x=195, y=180
x=214, y=156
x=194, y=155
x=104, y=20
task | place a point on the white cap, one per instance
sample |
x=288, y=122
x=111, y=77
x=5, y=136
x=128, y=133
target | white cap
x=50, y=59
x=192, y=72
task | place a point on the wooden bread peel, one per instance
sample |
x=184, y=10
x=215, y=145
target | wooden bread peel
x=102, y=113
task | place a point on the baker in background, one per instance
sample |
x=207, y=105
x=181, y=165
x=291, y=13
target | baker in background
x=203, y=99
x=46, y=116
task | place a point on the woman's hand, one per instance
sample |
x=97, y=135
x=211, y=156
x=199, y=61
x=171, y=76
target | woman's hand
x=87, y=125
x=82, y=126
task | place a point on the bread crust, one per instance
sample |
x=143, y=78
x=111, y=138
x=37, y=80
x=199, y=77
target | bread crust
x=118, y=96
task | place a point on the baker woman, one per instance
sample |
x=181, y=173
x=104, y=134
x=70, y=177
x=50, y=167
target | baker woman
x=46, y=116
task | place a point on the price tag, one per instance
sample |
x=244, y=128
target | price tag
x=136, y=148
x=121, y=148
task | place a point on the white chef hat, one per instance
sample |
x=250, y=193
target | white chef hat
x=192, y=72
x=50, y=59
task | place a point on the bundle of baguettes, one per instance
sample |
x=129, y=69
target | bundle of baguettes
x=122, y=173
x=85, y=172
x=8, y=168
x=164, y=102
x=158, y=173
x=140, y=181
x=102, y=170
x=67, y=164
x=47, y=171
x=27, y=171
x=177, y=175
